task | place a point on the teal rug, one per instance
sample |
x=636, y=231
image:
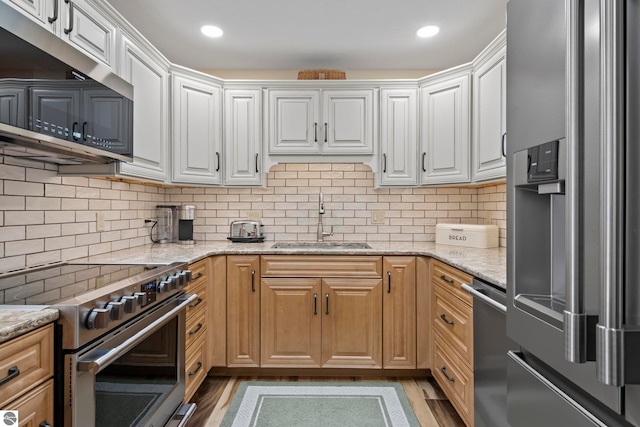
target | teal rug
x=326, y=404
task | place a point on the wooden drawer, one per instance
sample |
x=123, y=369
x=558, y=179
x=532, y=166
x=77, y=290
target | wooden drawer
x=452, y=279
x=32, y=355
x=196, y=324
x=195, y=366
x=321, y=266
x=453, y=319
x=454, y=377
x=36, y=407
x=201, y=291
x=198, y=273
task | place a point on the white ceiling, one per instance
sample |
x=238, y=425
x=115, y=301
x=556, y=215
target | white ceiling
x=306, y=34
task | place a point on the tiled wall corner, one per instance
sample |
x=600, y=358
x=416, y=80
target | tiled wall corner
x=46, y=218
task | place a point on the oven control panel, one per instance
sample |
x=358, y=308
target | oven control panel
x=126, y=302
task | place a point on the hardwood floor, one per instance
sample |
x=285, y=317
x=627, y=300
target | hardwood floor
x=427, y=399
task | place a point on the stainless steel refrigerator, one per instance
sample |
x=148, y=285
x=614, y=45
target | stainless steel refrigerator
x=573, y=212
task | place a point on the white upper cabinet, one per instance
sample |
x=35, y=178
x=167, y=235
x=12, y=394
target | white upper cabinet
x=197, y=130
x=149, y=77
x=76, y=21
x=445, y=128
x=243, y=137
x=489, y=112
x=321, y=121
x=398, y=136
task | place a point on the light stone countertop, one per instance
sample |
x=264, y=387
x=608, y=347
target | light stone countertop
x=486, y=264
x=18, y=320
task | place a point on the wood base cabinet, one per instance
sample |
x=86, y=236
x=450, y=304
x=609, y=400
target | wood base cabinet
x=452, y=337
x=197, y=328
x=313, y=323
x=399, y=312
x=243, y=311
x=30, y=391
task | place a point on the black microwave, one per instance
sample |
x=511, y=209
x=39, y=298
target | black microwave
x=56, y=103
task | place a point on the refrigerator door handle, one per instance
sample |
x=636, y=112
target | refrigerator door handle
x=609, y=331
x=575, y=318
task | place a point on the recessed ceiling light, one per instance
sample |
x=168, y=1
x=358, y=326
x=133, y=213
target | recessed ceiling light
x=211, y=31
x=428, y=31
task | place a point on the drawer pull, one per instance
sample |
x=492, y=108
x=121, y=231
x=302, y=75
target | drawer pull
x=195, y=371
x=11, y=374
x=44, y=424
x=444, y=372
x=447, y=321
x=446, y=279
x=195, y=304
x=195, y=331
x=199, y=275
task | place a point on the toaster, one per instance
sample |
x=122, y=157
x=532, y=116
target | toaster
x=246, y=231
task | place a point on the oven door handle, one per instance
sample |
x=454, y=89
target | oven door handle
x=104, y=359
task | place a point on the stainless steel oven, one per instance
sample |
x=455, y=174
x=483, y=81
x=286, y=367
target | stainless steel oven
x=120, y=340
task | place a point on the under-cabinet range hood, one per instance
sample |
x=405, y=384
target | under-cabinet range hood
x=57, y=104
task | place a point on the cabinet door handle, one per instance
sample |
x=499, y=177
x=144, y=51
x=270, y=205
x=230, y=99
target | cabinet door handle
x=315, y=303
x=70, y=28
x=384, y=167
x=326, y=131
x=447, y=321
x=13, y=372
x=389, y=276
x=73, y=131
x=54, y=18
x=253, y=280
x=195, y=371
x=44, y=424
x=446, y=279
x=444, y=372
x=84, y=131
x=315, y=132
x=326, y=296
x=218, y=161
x=195, y=331
x=424, y=157
x=257, y=163
x=504, y=144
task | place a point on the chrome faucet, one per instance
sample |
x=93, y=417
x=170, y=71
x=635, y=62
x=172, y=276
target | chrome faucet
x=320, y=232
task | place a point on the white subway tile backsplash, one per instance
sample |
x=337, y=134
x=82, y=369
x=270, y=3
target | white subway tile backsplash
x=45, y=217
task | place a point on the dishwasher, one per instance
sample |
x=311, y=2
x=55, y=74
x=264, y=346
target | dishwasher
x=490, y=346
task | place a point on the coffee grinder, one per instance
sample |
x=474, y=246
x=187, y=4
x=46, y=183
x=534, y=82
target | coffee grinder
x=186, y=215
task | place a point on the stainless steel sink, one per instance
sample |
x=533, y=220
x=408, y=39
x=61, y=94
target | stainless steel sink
x=320, y=245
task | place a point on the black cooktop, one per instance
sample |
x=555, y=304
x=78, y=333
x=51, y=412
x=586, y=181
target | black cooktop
x=57, y=282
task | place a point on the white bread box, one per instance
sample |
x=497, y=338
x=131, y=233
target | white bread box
x=471, y=235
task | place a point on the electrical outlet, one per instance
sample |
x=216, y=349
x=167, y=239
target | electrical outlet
x=253, y=215
x=99, y=282
x=99, y=221
x=377, y=217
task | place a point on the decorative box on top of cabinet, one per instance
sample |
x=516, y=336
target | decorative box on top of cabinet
x=321, y=121
x=28, y=387
x=197, y=328
x=452, y=336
